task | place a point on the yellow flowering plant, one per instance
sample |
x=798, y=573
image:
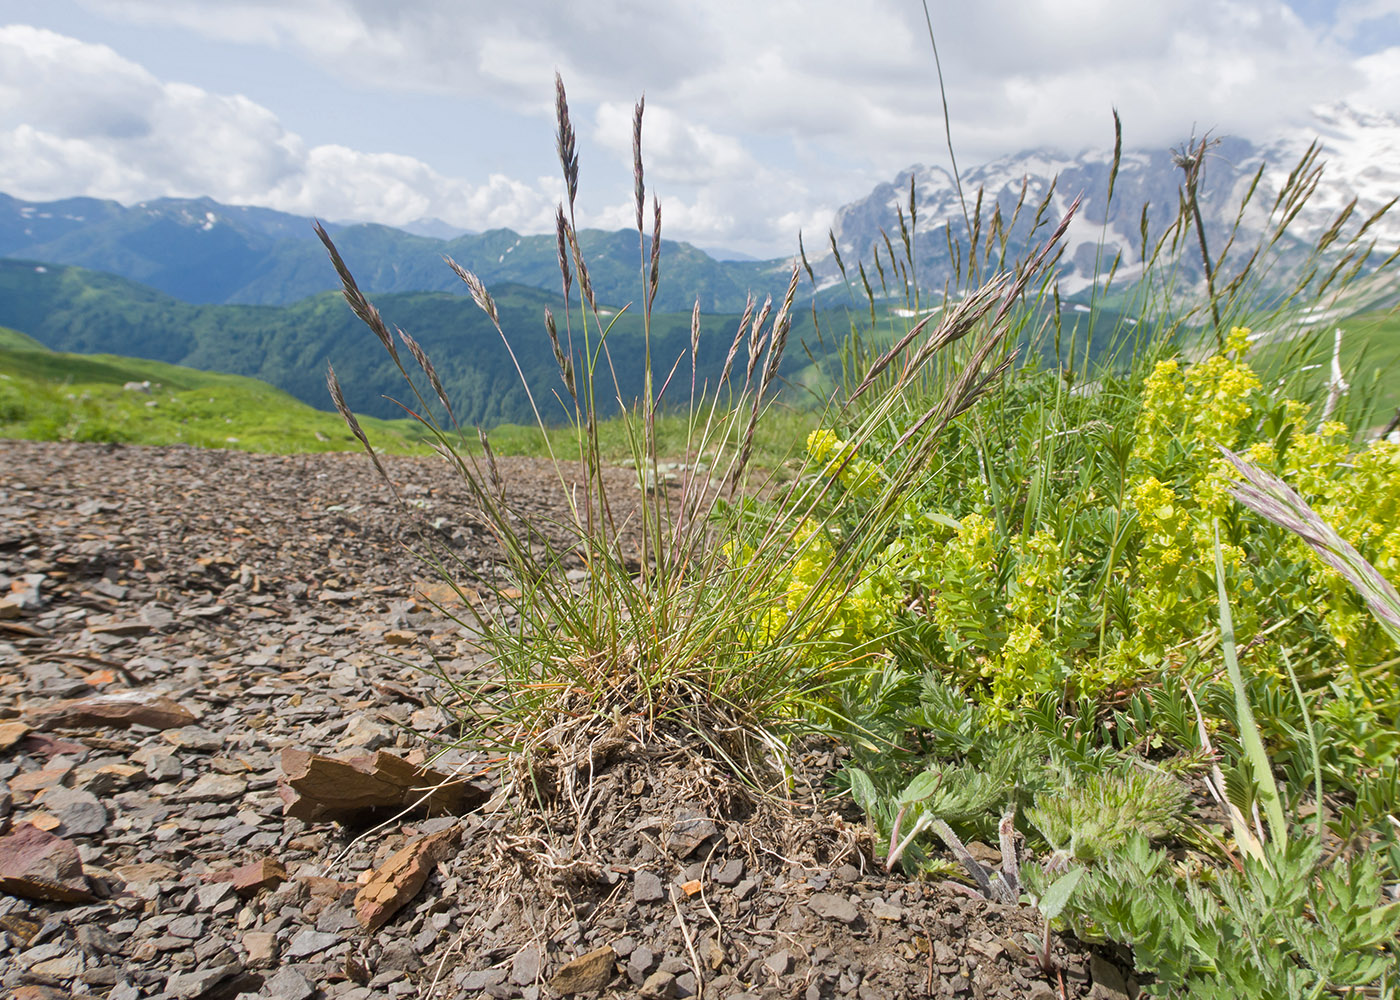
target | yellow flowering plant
x=1107, y=578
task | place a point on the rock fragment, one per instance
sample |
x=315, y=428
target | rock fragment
x=117, y=710
x=831, y=907
x=289, y=984
x=11, y=733
x=691, y=829
x=400, y=878
x=646, y=887
x=193, y=985
x=252, y=878
x=213, y=788
x=315, y=787
x=307, y=942
x=38, y=865
x=525, y=967
x=79, y=812
x=585, y=974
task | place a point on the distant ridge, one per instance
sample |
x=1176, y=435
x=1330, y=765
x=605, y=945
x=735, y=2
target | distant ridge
x=1360, y=155
x=201, y=251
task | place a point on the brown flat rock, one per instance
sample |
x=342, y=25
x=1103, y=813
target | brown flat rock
x=11, y=733
x=400, y=878
x=316, y=787
x=250, y=879
x=37, y=865
x=587, y=973
x=117, y=710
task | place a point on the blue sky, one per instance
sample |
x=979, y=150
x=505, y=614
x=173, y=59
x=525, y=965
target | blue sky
x=762, y=118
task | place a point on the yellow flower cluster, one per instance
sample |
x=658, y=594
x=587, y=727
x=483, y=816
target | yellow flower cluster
x=1185, y=415
x=1204, y=405
x=838, y=458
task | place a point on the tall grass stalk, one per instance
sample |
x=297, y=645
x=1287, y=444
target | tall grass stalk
x=666, y=628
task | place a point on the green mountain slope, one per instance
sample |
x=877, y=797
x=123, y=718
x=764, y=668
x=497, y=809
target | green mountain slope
x=71, y=309
x=198, y=250
x=48, y=395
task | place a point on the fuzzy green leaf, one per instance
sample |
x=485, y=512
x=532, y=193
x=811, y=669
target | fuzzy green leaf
x=1057, y=896
x=922, y=787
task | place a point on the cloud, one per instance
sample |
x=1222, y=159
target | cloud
x=759, y=114
x=852, y=74
x=78, y=118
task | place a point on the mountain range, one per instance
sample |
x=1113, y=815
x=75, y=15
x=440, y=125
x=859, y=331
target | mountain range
x=249, y=291
x=1359, y=153
x=200, y=251
x=80, y=311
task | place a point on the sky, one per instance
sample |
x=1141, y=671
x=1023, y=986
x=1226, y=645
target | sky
x=762, y=117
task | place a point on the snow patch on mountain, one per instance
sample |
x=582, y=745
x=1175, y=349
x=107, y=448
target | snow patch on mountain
x=1359, y=155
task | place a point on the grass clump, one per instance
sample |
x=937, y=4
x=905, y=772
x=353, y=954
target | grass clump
x=674, y=625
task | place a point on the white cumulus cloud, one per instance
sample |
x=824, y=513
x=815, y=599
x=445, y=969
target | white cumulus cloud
x=759, y=114
x=77, y=118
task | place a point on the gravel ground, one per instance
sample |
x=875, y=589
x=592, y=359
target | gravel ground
x=249, y=611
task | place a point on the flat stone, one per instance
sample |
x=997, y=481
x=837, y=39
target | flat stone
x=647, y=888
x=587, y=973
x=400, y=956
x=289, y=984
x=400, y=878
x=193, y=738
x=80, y=812
x=261, y=947
x=830, y=907
x=38, y=865
x=213, y=788
x=689, y=831
x=120, y=628
x=660, y=985
x=95, y=941
x=188, y=927
x=119, y=710
x=882, y=910
x=308, y=942
x=107, y=779
x=11, y=733
x=315, y=787
x=639, y=963
x=37, y=781
x=779, y=963
x=483, y=978
x=164, y=767
x=210, y=896
x=193, y=985
x=265, y=873
x=62, y=967
x=732, y=872
x=525, y=967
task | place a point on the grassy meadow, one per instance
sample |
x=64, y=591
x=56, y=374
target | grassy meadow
x=53, y=396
